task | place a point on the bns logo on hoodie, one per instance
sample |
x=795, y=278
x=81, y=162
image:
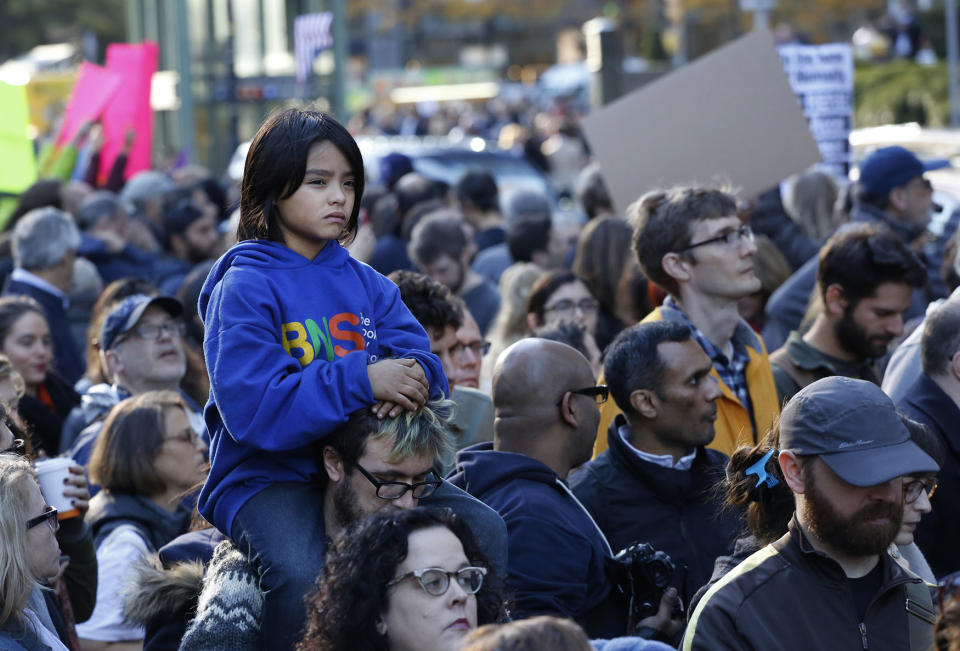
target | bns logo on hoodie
x=314, y=341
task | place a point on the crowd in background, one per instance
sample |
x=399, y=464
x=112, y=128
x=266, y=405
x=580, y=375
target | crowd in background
x=102, y=335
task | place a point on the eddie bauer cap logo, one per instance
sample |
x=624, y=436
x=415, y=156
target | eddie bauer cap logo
x=857, y=442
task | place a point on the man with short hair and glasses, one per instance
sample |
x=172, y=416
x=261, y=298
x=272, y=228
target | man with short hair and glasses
x=934, y=400
x=691, y=242
x=370, y=465
x=546, y=402
x=141, y=349
x=865, y=279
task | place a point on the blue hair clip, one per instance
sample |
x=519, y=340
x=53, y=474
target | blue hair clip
x=759, y=469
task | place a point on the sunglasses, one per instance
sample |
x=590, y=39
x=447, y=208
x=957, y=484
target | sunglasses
x=49, y=516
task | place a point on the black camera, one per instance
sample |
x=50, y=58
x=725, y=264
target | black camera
x=643, y=574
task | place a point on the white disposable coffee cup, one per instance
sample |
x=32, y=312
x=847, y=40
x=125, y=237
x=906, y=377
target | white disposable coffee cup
x=51, y=474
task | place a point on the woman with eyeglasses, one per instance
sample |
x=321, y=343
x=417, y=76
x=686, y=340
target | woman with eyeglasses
x=47, y=399
x=146, y=458
x=561, y=295
x=917, y=491
x=29, y=556
x=412, y=580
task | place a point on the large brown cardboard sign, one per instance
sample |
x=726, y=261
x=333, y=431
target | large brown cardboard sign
x=729, y=117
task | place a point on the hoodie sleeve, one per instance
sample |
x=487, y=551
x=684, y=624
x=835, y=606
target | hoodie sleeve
x=402, y=335
x=265, y=398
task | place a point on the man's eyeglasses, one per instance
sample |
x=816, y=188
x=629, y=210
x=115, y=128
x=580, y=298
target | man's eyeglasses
x=154, y=330
x=436, y=581
x=914, y=488
x=394, y=490
x=478, y=348
x=49, y=516
x=599, y=393
x=585, y=305
x=18, y=447
x=728, y=239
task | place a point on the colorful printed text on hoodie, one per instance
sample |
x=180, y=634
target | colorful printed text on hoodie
x=287, y=345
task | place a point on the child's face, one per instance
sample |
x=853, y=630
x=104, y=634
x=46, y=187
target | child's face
x=321, y=207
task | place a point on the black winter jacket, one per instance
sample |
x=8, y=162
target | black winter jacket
x=676, y=511
x=789, y=596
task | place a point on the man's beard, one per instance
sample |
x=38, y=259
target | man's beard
x=346, y=507
x=853, y=338
x=856, y=535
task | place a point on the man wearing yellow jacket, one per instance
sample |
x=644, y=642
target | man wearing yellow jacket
x=691, y=242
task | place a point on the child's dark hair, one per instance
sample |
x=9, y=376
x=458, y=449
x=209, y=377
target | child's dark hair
x=767, y=509
x=276, y=164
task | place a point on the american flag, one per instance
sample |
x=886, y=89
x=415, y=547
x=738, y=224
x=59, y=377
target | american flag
x=311, y=35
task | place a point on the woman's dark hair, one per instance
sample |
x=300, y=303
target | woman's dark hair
x=108, y=299
x=12, y=308
x=544, y=288
x=351, y=590
x=767, y=509
x=276, y=164
x=924, y=438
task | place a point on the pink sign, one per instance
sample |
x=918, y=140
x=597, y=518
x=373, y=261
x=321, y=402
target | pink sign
x=95, y=87
x=130, y=107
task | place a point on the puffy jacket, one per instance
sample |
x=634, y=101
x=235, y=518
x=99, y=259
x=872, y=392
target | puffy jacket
x=676, y=511
x=789, y=596
x=733, y=427
x=556, y=554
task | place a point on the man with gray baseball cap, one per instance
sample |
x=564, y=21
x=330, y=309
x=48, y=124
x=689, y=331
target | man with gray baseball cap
x=828, y=583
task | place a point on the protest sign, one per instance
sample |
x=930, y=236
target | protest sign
x=728, y=117
x=822, y=78
x=130, y=108
x=18, y=165
x=94, y=89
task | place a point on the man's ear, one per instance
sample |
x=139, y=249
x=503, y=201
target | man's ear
x=568, y=411
x=112, y=364
x=675, y=266
x=645, y=402
x=792, y=470
x=898, y=198
x=333, y=465
x=955, y=366
x=835, y=302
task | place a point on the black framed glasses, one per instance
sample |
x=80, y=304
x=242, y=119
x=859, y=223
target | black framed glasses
x=49, y=516
x=394, y=490
x=436, y=580
x=599, y=393
x=17, y=447
x=728, y=239
x=478, y=348
x=915, y=487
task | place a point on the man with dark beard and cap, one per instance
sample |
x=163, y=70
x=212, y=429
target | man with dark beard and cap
x=828, y=583
x=865, y=279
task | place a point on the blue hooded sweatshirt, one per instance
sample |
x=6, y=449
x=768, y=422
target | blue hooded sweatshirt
x=556, y=555
x=280, y=330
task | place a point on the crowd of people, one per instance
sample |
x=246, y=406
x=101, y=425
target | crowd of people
x=428, y=417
